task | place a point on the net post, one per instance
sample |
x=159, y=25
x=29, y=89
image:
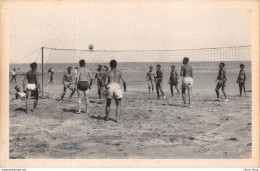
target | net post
x=42, y=71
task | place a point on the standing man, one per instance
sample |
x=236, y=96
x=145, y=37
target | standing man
x=67, y=81
x=100, y=76
x=33, y=85
x=221, y=81
x=113, y=89
x=150, y=79
x=187, y=80
x=50, y=77
x=13, y=75
x=159, y=81
x=241, y=80
x=173, y=81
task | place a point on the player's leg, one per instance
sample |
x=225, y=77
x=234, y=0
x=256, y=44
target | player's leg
x=28, y=96
x=12, y=78
x=183, y=90
x=99, y=91
x=157, y=90
x=36, y=99
x=224, y=92
x=171, y=88
x=108, y=108
x=240, y=89
x=190, y=93
x=244, y=88
x=118, y=109
x=217, y=90
x=149, y=85
x=176, y=87
x=152, y=84
x=15, y=78
x=72, y=91
x=80, y=94
x=86, y=100
x=64, y=92
x=161, y=90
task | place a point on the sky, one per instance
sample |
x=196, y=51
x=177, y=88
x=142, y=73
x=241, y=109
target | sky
x=123, y=26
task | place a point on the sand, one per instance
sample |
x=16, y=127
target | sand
x=149, y=128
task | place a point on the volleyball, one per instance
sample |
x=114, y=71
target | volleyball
x=91, y=47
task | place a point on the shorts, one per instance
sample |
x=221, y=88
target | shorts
x=67, y=84
x=159, y=83
x=221, y=84
x=187, y=81
x=114, y=91
x=83, y=85
x=31, y=87
x=100, y=83
x=173, y=82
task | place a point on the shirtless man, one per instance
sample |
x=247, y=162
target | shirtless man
x=221, y=81
x=113, y=89
x=159, y=81
x=150, y=79
x=83, y=85
x=67, y=81
x=100, y=76
x=241, y=79
x=173, y=81
x=187, y=81
x=33, y=85
x=13, y=75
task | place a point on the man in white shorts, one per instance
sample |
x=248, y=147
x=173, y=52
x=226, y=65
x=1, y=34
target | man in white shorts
x=187, y=81
x=33, y=86
x=113, y=89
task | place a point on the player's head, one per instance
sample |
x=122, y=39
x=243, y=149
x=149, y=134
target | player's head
x=76, y=68
x=173, y=67
x=17, y=88
x=158, y=66
x=82, y=63
x=105, y=68
x=14, y=69
x=221, y=65
x=33, y=66
x=151, y=68
x=69, y=69
x=49, y=70
x=113, y=64
x=185, y=60
x=242, y=66
x=99, y=66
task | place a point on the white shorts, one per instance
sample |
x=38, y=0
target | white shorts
x=187, y=81
x=114, y=91
x=31, y=87
x=21, y=95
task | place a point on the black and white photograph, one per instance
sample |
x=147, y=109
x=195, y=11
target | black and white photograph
x=130, y=79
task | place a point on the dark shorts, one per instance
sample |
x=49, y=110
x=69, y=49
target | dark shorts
x=159, y=84
x=83, y=85
x=100, y=83
x=174, y=82
x=221, y=84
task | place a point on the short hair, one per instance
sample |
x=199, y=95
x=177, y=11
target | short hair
x=69, y=68
x=186, y=59
x=82, y=63
x=223, y=64
x=242, y=65
x=113, y=63
x=158, y=65
x=33, y=65
x=151, y=67
x=173, y=66
x=17, y=88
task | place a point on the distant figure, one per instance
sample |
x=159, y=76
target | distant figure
x=221, y=81
x=83, y=85
x=13, y=75
x=100, y=77
x=67, y=81
x=187, y=80
x=241, y=79
x=19, y=95
x=159, y=81
x=150, y=79
x=33, y=86
x=76, y=73
x=113, y=89
x=50, y=77
x=173, y=81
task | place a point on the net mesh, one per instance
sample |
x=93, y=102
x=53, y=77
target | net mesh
x=203, y=59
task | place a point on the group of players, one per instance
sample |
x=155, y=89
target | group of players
x=108, y=82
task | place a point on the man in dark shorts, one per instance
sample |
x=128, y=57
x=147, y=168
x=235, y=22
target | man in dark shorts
x=241, y=79
x=100, y=76
x=83, y=85
x=221, y=81
x=150, y=79
x=113, y=89
x=159, y=81
x=32, y=87
x=67, y=82
x=173, y=81
x=187, y=80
